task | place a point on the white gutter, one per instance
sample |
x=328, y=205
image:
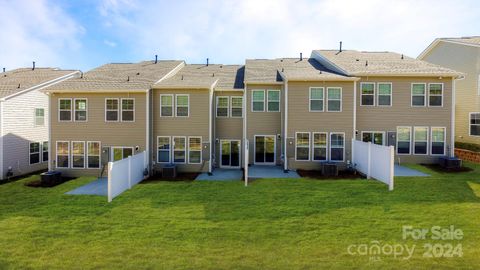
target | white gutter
x=245, y=141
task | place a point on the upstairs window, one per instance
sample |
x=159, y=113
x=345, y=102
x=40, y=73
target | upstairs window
x=182, y=105
x=435, y=95
x=166, y=105
x=334, y=99
x=65, y=109
x=80, y=110
x=39, y=117
x=302, y=142
x=128, y=109
x=384, y=97
x=403, y=140
x=316, y=99
x=236, y=107
x=475, y=124
x=34, y=153
x=258, y=100
x=418, y=94
x=438, y=141
x=222, y=106
x=368, y=94
x=111, y=109
x=420, y=139
x=273, y=100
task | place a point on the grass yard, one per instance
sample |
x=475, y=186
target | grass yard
x=272, y=224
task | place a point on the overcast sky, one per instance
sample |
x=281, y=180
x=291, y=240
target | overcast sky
x=85, y=34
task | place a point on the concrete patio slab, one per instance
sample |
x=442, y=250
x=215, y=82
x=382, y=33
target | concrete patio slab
x=257, y=172
x=97, y=187
x=222, y=175
x=404, y=171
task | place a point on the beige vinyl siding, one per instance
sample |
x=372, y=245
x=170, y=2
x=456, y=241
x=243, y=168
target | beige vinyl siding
x=401, y=113
x=230, y=128
x=300, y=119
x=127, y=134
x=196, y=124
x=464, y=59
x=264, y=123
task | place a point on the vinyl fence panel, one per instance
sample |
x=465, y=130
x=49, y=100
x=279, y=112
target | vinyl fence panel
x=375, y=161
x=125, y=173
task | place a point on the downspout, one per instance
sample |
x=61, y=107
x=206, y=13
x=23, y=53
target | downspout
x=285, y=127
x=147, y=132
x=1, y=139
x=210, y=123
x=354, y=135
x=452, y=129
x=50, y=160
x=245, y=141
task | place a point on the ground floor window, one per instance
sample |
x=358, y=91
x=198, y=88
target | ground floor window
x=63, y=154
x=420, y=138
x=319, y=146
x=194, y=150
x=93, y=155
x=403, y=140
x=475, y=124
x=45, y=151
x=34, y=153
x=337, y=146
x=302, y=142
x=179, y=149
x=375, y=137
x=78, y=155
x=163, y=149
x=120, y=153
x=438, y=141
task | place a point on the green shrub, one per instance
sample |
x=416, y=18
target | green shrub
x=468, y=146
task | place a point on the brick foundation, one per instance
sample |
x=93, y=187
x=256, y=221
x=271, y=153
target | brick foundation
x=467, y=155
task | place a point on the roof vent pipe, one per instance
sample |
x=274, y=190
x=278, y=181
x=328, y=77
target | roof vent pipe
x=156, y=58
x=366, y=63
x=3, y=70
x=207, y=62
x=128, y=78
x=33, y=66
x=402, y=57
x=301, y=56
x=340, y=47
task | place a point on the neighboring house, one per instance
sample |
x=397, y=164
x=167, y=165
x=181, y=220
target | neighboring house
x=24, y=118
x=103, y=116
x=462, y=54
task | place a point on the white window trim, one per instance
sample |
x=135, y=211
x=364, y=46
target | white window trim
x=444, y=141
x=112, y=148
x=443, y=90
x=326, y=147
x=169, y=150
x=40, y=146
x=188, y=106
x=330, y=146
x=217, y=107
x=185, y=150
x=121, y=109
x=274, y=150
x=279, y=100
x=60, y=110
x=308, y=147
x=373, y=133
x=470, y=124
x=72, y=155
x=341, y=99
x=391, y=94
x=201, y=149
x=231, y=106
x=264, y=98
x=35, y=117
x=173, y=105
x=42, y=150
x=75, y=110
x=410, y=141
x=414, y=141
x=424, y=96
x=56, y=154
x=361, y=94
x=87, y=164
x=310, y=99
x=117, y=110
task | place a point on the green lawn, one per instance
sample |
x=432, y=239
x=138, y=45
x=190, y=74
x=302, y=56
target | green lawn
x=272, y=224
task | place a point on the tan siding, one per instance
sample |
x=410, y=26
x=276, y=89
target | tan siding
x=197, y=124
x=264, y=123
x=465, y=59
x=401, y=113
x=129, y=134
x=300, y=119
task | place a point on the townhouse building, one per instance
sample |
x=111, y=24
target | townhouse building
x=24, y=118
x=292, y=112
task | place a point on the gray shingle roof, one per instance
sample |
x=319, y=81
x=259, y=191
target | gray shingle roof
x=359, y=63
x=271, y=70
x=118, y=77
x=229, y=77
x=17, y=80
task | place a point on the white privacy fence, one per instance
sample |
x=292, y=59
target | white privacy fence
x=375, y=161
x=125, y=173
